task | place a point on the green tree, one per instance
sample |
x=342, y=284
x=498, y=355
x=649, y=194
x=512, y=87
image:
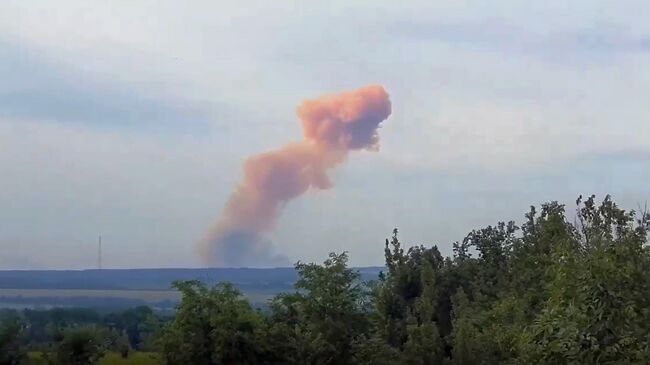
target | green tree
x=424, y=345
x=122, y=345
x=12, y=349
x=213, y=325
x=374, y=351
x=558, y=290
x=598, y=292
x=138, y=323
x=413, y=301
x=320, y=322
x=79, y=346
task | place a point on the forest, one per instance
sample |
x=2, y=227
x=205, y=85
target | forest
x=564, y=286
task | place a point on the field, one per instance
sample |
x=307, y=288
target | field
x=89, y=298
x=99, y=298
x=113, y=289
x=112, y=358
x=145, y=295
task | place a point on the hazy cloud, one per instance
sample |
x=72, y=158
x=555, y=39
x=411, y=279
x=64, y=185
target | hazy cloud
x=127, y=119
x=36, y=88
x=499, y=34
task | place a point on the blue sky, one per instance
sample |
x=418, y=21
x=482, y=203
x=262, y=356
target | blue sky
x=131, y=119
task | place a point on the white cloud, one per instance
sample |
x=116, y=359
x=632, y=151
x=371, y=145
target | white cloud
x=501, y=136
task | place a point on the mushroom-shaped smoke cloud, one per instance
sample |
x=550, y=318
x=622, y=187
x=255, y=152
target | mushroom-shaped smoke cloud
x=332, y=125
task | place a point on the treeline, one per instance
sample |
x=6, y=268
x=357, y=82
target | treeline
x=76, y=335
x=558, y=289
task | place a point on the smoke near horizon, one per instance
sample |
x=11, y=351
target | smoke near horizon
x=333, y=125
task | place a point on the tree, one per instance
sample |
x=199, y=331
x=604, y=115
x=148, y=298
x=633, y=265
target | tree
x=555, y=291
x=413, y=300
x=319, y=323
x=122, y=345
x=598, y=292
x=136, y=323
x=424, y=345
x=374, y=351
x=213, y=325
x=79, y=346
x=12, y=350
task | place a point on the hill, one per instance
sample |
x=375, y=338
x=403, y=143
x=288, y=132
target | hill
x=270, y=280
x=123, y=288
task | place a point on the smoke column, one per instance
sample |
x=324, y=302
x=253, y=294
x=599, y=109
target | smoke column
x=333, y=125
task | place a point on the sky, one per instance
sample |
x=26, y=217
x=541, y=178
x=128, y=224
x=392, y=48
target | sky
x=131, y=119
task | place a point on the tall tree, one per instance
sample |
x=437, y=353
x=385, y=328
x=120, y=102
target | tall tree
x=12, y=349
x=83, y=345
x=325, y=315
x=213, y=325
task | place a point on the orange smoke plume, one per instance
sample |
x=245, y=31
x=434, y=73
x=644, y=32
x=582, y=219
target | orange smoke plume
x=332, y=126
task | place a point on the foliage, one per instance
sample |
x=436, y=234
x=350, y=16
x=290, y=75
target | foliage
x=79, y=346
x=139, y=324
x=133, y=329
x=213, y=325
x=110, y=358
x=320, y=322
x=557, y=289
x=123, y=346
x=12, y=349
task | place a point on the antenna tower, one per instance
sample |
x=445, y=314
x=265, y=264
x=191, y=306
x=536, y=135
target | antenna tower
x=99, y=254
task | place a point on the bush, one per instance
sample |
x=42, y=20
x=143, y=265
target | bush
x=12, y=350
x=79, y=346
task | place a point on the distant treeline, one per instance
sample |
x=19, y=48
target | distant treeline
x=556, y=289
x=100, y=303
x=139, y=324
x=140, y=279
x=75, y=336
x=271, y=280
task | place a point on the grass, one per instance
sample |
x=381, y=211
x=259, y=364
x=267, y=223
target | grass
x=150, y=296
x=111, y=358
x=147, y=295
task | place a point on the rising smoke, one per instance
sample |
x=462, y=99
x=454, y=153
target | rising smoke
x=332, y=126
